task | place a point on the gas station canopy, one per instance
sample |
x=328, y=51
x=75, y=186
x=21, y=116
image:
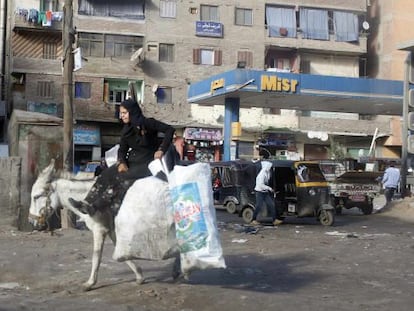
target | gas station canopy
x=270, y=89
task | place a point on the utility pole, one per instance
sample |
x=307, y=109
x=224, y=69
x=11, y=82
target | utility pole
x=68, y=38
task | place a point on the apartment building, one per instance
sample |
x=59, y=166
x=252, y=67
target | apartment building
x=157, y=48
x=392, y=25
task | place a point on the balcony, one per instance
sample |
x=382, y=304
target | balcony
x=330, y=45
x=36, y=65
x=345, y=126
x=39, y=21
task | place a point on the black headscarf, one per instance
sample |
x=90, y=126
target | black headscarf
x=136, y=118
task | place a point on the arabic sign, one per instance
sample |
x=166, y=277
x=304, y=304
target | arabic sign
x=192, y=133
x=209, y=29
x=50, y=108
x=86, y=135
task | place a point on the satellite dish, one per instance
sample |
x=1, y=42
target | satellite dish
x=138, y=56
x=324, y=136
x=365, y=25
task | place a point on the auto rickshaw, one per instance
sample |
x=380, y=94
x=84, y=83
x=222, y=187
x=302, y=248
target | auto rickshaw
x=300, y=190
x=233, y=184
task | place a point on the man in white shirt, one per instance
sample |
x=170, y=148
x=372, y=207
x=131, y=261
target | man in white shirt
x=390, y=181
x=264, y=194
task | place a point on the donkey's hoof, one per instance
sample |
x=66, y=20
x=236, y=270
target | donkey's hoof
x=87, y=286
x=181, y=277
x=140, y=281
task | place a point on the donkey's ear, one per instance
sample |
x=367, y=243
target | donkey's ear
x=48, y=170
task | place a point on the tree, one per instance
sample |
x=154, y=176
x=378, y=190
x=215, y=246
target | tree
x=336, y=150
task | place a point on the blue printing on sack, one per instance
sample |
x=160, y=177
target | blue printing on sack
x=190, y=225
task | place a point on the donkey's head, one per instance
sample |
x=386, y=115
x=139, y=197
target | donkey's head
x=40, y=203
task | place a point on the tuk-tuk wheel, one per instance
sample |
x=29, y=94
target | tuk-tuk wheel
x=231, y=207
x=247, y=215
x=326, y=217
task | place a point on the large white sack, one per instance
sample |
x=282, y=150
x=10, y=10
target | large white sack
x=144, y=225
x=195, y=217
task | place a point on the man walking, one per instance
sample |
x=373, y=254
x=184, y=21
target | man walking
x=264, y=194
x=390, y=181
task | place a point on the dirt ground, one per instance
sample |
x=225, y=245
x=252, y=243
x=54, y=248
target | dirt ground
x=360, y=263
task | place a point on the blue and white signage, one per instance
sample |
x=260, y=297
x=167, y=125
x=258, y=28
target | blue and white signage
x=209, y=29
x=86, y=135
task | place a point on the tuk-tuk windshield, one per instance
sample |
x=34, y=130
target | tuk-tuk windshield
x=310, y=173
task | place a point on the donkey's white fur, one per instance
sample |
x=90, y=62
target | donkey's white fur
x=56, y=193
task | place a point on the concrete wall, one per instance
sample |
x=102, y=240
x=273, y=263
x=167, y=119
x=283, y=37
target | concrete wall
x=392, y=24
x=10, y=179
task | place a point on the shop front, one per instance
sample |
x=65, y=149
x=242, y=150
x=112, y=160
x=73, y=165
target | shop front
x=280, y=146
x=86, y=145
x=203, y=144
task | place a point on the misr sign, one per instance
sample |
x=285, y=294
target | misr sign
x=209, y=29
x=278, y=84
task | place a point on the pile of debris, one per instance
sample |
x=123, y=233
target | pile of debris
x=402, y=209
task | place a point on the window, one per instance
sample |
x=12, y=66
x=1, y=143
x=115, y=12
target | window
x=49, y=50
x=131, y=9
x=104, y=45
x=118, y=96
x=245, y=56
x=305, y=66
x=166, y=53
x=83, y=90
x=314, y=24
x=164, y=95
x=209, y=13
x=274, y=111
x=244, y=17
x=283, y=64
x=281, y=21
x=207, y=57
x=49, y=5
x=345, y=26
x=44, y=89
x=168, y=8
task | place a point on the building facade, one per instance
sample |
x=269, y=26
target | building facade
x=155, y=49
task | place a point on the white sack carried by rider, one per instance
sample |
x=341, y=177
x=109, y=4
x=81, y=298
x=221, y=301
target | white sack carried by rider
x=195, y=217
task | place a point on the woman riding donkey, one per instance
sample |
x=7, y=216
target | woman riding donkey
x=139, y=145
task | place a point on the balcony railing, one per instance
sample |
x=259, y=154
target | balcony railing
x=38, y=20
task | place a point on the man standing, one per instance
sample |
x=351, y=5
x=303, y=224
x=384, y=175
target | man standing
x=390, y=181
x=264, y=194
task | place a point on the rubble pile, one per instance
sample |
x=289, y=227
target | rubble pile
x=401, y=209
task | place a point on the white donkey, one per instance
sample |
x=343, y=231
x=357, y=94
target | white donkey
x=50, y=192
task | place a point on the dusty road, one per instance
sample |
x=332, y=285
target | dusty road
x=361, y=263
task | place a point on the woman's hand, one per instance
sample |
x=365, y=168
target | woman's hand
x=122, y=168
x=158, y=154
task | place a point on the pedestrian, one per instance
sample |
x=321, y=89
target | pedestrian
x=264, y=194
x=138, y=146
x=390, y=181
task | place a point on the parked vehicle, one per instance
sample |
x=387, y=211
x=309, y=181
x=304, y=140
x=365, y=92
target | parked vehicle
x=233, y=184
x=300, y=187
x=351, y=188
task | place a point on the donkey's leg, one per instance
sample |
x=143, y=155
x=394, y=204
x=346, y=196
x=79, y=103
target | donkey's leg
x=176, y=273
x=98, y=242
x=137, y=270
